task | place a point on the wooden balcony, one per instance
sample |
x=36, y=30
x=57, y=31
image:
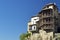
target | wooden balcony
x=41, y=24
x=46, y=16
x=47, y=27
x=48, y=22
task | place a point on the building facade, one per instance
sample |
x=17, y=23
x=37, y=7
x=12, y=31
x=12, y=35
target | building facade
x=45, y=25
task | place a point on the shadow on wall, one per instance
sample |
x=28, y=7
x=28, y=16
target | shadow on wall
x=58, y=29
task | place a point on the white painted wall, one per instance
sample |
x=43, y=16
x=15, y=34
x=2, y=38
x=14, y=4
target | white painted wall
x=51, y=7
x=34, y=20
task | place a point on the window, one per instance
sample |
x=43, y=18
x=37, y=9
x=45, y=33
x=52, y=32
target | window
x=43, y=14
x=33, y=27
x=49, y=19
x=46, y=20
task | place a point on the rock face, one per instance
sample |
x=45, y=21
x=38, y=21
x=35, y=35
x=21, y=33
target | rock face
x=42, y=35
x=45, y=35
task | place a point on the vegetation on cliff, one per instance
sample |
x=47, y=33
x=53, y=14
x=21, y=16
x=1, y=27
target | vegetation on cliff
x=24, y=36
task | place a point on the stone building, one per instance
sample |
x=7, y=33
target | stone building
x=45, y=25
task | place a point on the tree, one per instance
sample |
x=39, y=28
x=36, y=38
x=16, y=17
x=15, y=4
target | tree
x=25, y=36
x=22, y=37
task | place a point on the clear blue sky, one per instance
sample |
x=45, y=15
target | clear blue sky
x=14, y=15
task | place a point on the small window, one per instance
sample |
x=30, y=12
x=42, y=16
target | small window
x=46, y=20
x=33, y=27
x=43, y=14
x=49, y=19
x=34, y=19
